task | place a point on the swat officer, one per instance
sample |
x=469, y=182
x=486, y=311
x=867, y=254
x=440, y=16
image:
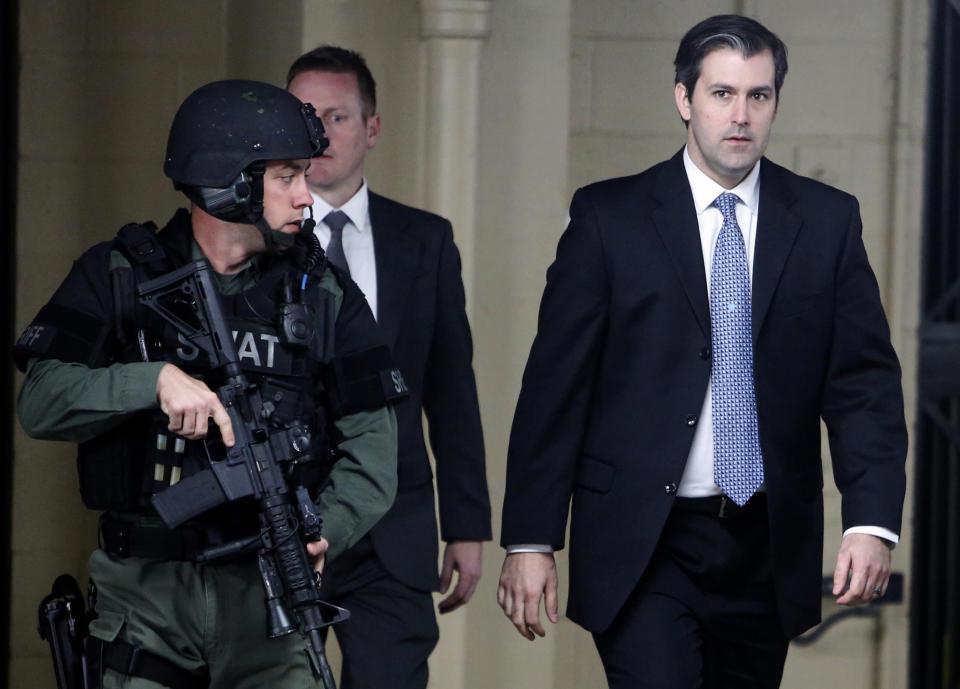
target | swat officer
x=106, y=373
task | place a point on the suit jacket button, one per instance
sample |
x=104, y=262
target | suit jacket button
x=691, y=420
x=670, y=488
x=705, y=353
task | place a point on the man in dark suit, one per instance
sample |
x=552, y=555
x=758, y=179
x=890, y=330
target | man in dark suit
x=406, y=263
x=698, y=322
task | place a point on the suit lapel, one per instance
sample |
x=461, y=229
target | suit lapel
x=397, y=255
x=676, y=221
x=777, y=228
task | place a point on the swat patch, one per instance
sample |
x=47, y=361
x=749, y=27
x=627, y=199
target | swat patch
x=258, y=350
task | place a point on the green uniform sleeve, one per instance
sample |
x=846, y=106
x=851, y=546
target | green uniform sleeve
x=68, y=401
x=363, y=482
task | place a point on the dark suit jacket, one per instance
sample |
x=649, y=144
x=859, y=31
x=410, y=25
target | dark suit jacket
x=621, y=363
x=421, y=313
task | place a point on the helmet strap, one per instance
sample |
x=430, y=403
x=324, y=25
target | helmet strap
x=275, y=241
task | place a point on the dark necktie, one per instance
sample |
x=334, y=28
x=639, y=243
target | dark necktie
x=336, y=220
x=737, y=462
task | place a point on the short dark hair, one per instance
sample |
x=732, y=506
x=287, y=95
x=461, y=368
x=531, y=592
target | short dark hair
x=743, y=34
x=330, y=58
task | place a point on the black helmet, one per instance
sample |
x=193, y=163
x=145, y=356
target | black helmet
x=221, y=137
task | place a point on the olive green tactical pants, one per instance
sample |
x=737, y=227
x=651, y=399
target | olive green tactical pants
x=197, y=616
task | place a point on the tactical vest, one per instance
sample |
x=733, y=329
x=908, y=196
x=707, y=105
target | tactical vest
x=285, y=346
x=120, y=470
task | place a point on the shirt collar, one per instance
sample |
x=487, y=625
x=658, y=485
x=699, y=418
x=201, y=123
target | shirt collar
x=355, y=208
x=705, y=190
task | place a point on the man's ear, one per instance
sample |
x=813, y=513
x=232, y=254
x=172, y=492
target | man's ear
x=683, y=101
x=373, y=129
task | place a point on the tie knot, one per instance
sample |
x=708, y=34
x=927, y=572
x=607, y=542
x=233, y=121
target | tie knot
x=727, y=204
x=336, y=220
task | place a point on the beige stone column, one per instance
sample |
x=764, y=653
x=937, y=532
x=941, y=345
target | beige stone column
x=453, y=32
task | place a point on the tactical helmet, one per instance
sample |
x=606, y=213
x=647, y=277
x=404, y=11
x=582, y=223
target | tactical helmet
x=221, y=137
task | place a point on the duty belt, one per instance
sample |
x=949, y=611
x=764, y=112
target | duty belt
x=139, y=538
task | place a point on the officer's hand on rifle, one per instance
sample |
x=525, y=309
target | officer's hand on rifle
x=316, y=549
x=189, y=404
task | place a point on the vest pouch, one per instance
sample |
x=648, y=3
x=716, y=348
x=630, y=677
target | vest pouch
x=287, y=400
x=111, y=466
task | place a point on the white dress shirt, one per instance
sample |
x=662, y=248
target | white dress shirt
x=357, y=239
x=697, y=480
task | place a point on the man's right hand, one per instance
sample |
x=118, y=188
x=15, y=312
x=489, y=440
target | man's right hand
x=189, y=404
x=526, y=577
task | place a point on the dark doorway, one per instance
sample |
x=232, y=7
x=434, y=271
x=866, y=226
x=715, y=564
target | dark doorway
x=935, y=599
x=10, y=61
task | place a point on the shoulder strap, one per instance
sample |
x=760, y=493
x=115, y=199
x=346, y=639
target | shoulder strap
x=137, y=243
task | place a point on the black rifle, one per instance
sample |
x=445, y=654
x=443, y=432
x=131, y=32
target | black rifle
x=256, y=467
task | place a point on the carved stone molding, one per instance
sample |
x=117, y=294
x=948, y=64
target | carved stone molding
x=455, y=18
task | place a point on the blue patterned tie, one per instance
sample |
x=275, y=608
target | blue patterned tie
x=737, y=462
